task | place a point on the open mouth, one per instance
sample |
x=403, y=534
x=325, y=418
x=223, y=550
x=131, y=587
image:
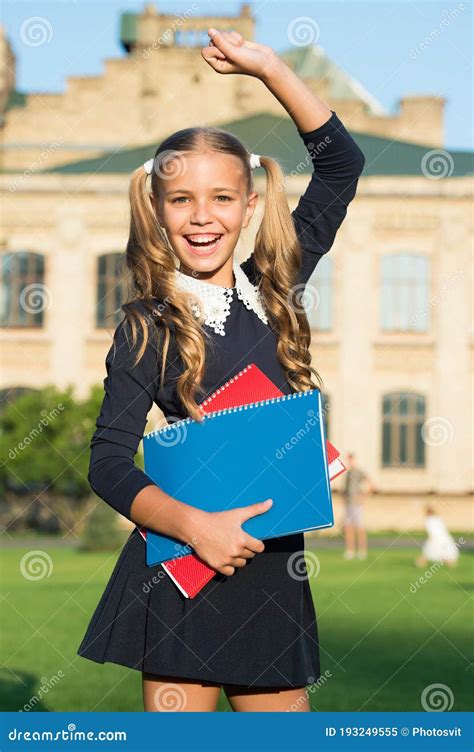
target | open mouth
x=203, y=243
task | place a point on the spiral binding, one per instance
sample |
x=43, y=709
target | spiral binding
x=224, y=411
x=224, y=386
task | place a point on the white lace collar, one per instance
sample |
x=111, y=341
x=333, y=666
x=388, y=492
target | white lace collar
x=216, y=300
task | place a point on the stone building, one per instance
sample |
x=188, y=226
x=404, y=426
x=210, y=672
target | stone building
x=390, y=306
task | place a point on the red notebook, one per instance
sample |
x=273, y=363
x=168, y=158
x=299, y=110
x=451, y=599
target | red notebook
x=190, y=573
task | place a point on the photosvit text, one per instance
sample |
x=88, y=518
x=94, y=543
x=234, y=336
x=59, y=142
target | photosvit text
x=391, y=731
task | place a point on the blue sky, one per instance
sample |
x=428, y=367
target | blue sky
x=375, y=42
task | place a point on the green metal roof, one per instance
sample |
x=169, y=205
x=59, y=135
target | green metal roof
x=279, y=138
x=128, y=29
x=16, y=99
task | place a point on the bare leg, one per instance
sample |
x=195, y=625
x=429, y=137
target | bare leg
x=257, y=700
x=349, y=538
x=362, y=540
x=169, y=694
x=421, y=561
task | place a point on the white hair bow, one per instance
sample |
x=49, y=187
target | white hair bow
x=255, y=161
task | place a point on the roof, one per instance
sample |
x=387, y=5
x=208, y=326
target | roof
x=279, y=138
x=16, y=99
x=311, y=61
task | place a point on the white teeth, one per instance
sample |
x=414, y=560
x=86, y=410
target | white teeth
x=202, y=238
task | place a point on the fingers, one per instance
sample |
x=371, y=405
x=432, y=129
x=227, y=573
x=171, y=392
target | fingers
x=230, y=36
x=228, y=571
x=222, y=40
x=212, y=53
x=255, y=544
x=238, y=37
x=253, y=509
x=239, y=562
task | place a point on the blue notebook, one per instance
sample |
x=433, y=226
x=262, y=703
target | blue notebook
x=275, y=449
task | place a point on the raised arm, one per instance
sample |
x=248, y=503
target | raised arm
x=337, y=160
x=337, y=165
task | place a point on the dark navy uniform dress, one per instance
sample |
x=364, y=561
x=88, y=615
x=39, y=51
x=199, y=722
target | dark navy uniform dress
x=256, y=628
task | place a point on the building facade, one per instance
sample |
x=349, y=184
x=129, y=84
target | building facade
x=390, y=306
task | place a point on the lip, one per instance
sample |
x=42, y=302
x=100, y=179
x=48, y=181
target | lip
x=203, y=253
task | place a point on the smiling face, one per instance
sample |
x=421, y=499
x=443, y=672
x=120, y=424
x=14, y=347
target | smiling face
x=203, y=208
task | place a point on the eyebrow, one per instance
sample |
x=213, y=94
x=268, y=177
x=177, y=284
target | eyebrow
x=183, y=190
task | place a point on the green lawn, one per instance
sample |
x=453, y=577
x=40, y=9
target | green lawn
x=381, y=643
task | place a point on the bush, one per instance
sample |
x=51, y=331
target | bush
x=101, y=532
x=44, y=438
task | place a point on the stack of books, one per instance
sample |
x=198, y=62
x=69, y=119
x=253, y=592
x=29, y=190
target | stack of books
x=254, y=443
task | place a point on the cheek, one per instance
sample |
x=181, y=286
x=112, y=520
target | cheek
x=173, y=220
x=231, y=217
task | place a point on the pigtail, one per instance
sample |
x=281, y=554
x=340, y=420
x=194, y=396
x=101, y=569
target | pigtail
x=162, y=307
x=278, y=258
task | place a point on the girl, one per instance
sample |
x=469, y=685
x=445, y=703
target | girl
x=252, y=629
x=440, y=545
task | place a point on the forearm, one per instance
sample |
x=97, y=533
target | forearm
x=305, y=108
x=154, y=508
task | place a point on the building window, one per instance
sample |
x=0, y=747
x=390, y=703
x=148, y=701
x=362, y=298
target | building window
x=112, y=289
x=403, y=416
x=404, y=293
x=317, y=298
x=24, y=294
x=190, y=37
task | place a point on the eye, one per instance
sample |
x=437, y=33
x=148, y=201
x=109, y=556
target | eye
x=178, y=199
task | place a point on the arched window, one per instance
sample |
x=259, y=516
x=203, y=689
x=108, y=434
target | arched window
x=403, y=415
x=112, y=285
x=404, y=293
x=25, y=297
x=317, y=298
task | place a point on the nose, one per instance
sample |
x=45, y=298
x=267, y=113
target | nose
x=200, y=214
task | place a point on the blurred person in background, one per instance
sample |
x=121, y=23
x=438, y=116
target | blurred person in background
x=357, y=485
x=439, y=545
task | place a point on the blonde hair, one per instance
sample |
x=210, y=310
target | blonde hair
x=151, y=261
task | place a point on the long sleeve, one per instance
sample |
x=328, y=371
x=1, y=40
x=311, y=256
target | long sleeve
x=337, y=165
x=129, y=394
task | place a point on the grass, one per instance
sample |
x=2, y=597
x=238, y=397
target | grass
x=381, y=643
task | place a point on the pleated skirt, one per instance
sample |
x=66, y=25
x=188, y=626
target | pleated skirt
x=256, y=628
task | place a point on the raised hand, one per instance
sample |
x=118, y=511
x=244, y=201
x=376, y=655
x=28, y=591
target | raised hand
x=229, y=52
